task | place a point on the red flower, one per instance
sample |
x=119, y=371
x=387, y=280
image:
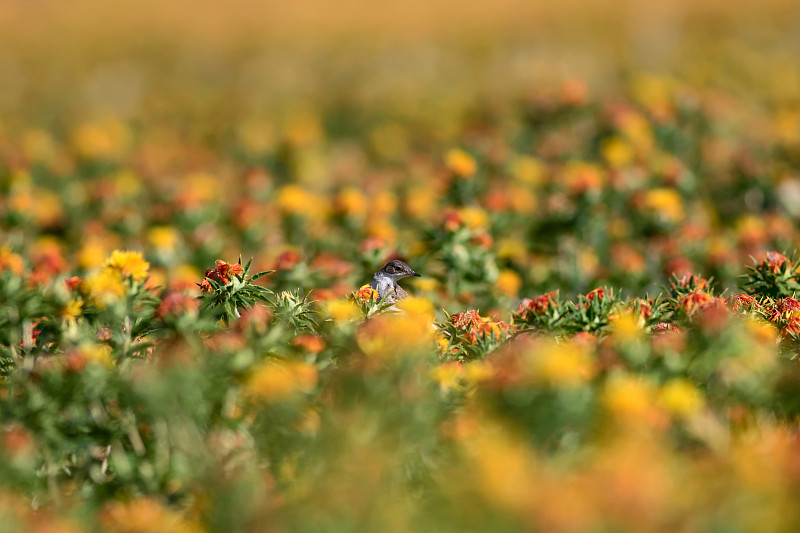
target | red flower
x=452, y=221
x=484, y=240
x=783, y=309
x=694, y=301
x=599, y=293
x=310, y=343
x=744, y=302
x=646, y=309
x=775, y=261
x=287, y=260
x=222, y=272
x=538, y=305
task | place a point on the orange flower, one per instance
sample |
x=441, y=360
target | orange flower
x=10, y=261
x=222, y=272
x=310, y=343
x=536, y=306
x=461, y=164
x=473, y=325
x=775, y=261
x=367, y=294
x=694, y=301
x=744, y=302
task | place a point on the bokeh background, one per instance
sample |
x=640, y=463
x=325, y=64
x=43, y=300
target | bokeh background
x=545, y=166
x=193, y=131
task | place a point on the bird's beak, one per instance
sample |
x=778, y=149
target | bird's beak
x=415, y=274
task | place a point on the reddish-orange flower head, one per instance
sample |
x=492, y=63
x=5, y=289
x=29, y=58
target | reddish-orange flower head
x=537, y=306
x=775, y=261
x=473, y=325
x=222, y=272
x=694, y=301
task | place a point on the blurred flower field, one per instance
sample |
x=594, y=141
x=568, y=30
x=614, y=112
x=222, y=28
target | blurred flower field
x=603, y=202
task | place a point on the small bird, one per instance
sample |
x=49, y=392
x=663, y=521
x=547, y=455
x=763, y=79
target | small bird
x=385, y=281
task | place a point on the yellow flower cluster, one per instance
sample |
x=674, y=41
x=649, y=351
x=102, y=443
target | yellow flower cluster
x=277, y=381
x=106, y=286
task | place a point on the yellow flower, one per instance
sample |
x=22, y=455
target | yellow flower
x=665, y=203
x=105, y=287
x=654, y=92
x=477, y=371
x=637, y=131
x=474, y=217
x=508, y=282
x=295, y=200
x=383, y=204
x=45, y=208
x=352, y=202
x=420, y=202
x=274, y=382
x=561, y=364
x=680, y=397
x=383, y=228
x=199, y=188
x=448, y=376
x=342, y=311
x=418, y=307
x=98, y=353
x=511, y=248
x=163, y=237
x=101, y=140
x=762, y=331
x=384, y=337
x=128, y=264
x=626, y=328
x=461, y=163
x=618, y=153
x=628, y=396
x=72, y=310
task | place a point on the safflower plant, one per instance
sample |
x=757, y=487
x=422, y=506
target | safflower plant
x=579, y=355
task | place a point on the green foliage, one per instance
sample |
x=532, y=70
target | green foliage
x=774, y=277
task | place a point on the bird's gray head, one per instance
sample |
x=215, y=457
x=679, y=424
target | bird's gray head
x=395, y=270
